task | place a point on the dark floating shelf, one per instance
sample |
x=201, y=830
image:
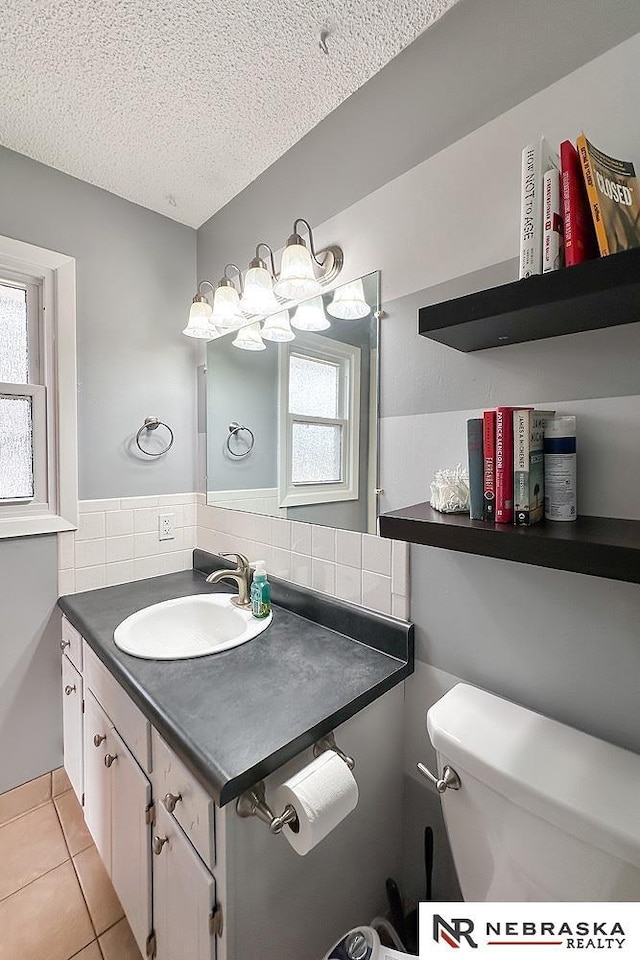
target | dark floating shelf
x=599, y=293
x=597, y=546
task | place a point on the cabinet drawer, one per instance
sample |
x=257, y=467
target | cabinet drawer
x=71, y=644
x=130, y=723
x=72, y=725
x=195, y=810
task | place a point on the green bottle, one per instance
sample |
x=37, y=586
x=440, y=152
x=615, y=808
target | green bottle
x=260, y=592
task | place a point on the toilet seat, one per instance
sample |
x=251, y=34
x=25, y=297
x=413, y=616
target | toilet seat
x=362, y=943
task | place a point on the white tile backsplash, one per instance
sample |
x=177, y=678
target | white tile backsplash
x=355, y=567
x=105, y=550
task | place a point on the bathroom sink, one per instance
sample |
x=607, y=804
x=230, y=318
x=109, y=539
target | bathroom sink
x=188, y=627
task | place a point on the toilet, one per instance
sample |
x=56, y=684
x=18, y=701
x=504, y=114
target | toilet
x=543, y=811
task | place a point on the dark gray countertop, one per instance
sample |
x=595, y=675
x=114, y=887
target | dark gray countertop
x=234, y=717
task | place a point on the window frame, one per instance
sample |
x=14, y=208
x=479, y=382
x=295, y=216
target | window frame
x=50, y=281
x=348, y=358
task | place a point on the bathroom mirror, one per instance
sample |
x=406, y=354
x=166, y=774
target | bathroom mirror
x=292, y=411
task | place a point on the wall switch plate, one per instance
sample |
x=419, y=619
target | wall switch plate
x=165, y=526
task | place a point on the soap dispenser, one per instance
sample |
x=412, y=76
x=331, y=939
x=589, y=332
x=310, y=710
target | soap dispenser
x=260, y=592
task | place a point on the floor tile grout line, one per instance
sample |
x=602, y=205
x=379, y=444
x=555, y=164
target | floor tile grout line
x=25, y=813
x=35, y=880
x=86, y=902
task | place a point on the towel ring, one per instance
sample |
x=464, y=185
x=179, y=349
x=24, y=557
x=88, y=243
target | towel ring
x=152, y=423
x=234, y=430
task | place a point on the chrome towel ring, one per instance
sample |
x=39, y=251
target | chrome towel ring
x=234, y=430
x=152, y=423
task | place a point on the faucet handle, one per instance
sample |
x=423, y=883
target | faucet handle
x=241, y=560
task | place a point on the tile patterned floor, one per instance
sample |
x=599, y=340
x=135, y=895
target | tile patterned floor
x=56, y=900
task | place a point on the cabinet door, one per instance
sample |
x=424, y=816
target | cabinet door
x=131, y=840
x=98, y=743
x=184, y=895
x=72, y=724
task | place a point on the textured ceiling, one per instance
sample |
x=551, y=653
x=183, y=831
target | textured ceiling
x=179, y=104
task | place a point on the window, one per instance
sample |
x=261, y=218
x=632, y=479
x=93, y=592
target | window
x=37, y=391
x=319, y=421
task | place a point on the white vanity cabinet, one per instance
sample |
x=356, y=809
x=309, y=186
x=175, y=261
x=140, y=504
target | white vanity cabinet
x=197, y=882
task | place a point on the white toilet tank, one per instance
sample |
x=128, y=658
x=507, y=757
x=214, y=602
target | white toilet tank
x=544, y=812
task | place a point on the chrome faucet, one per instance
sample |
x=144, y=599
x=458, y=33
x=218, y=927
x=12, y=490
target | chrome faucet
x=241, y=575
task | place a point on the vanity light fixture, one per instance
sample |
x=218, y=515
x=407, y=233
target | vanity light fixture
x=258, y=296
x=226, y=301
x=298, y=279
x=304, y=272
x=310, y=316
x=277, y=328
x=349, y=303
x=249, y=338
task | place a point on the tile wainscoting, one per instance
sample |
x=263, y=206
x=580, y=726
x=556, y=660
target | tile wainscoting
x=117, y=542
x=357, y=567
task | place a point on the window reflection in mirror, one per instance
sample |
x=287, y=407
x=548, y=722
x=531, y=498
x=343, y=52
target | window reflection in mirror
x=292, y=423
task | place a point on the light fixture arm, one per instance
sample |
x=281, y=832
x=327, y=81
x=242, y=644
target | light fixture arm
x=258, y=257
x=233, y=266
x=332, y=266
x=208, y=283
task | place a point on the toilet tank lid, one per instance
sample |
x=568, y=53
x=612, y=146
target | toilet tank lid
x=584, y=786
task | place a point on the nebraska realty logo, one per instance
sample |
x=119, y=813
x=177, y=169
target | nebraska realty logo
x=505, y=928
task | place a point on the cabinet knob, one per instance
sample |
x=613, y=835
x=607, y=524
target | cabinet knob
x=98, y=739
x=170, y=801
x=69, y=689
x=109, y=758
x=158, y=844
x=64, y=644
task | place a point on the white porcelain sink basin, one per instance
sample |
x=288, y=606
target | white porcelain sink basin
x=188, y=627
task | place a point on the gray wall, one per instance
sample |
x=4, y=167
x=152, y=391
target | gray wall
x=135, y=275
x=30, y=698
x=242, y=386
x=556, y=642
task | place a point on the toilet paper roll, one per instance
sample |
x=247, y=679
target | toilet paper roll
x=322, y=794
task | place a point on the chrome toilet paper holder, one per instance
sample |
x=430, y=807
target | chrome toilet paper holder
x=253, y=802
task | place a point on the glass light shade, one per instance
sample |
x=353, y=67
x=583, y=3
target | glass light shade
x=348, y=302
x=297, y=280
x=200, y=326
x=311, y=316
x=226, y=307
x=258, y=296
x=249, y=338
x=277, y=328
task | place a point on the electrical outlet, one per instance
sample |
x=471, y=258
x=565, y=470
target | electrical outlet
x=165, y=526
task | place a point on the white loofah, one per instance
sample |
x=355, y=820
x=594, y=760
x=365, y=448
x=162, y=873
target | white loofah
x=450, y=491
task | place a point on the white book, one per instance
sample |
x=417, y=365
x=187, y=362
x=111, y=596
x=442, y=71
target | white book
x=553, y=226
x=536, y=160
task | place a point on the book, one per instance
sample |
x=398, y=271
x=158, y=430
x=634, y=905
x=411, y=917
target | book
x=528, y=465
x=475, y=428
x=504, y=464
x=553, y=225
x=489, y=459
x=579, y=235
x=537, y=158
x=612, y=189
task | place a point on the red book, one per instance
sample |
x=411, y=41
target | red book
x=504, y=463
x=489, y=457
x=579, y=235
